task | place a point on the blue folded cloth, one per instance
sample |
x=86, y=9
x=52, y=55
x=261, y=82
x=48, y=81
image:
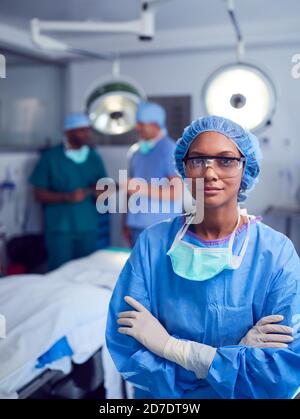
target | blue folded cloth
x=59, y=350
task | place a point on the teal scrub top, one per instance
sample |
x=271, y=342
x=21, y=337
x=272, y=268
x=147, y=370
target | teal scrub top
x=57, y=173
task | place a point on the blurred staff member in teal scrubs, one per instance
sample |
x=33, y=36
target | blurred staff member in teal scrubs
x=64, y=181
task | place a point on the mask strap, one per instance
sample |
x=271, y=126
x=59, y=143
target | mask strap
x=232, y=236
x=186, y=226
x=237, y=259
x=183, y=230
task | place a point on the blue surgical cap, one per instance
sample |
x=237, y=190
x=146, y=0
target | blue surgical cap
x=76, y=120
x=246, y=142
x=150, y=112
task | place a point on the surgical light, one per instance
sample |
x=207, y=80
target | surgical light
x=112, y=106
x=241, y=92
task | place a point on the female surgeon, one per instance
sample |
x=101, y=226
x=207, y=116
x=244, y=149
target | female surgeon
x=207, y=310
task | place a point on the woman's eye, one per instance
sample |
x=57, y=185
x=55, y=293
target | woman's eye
x=227, y=162
x=197, y=162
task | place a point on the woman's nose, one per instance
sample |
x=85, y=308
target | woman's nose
x=210, y=174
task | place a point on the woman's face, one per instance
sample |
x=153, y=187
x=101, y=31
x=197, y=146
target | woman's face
x=218, y=190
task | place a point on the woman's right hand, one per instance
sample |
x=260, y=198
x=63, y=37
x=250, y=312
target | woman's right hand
x=266, y=334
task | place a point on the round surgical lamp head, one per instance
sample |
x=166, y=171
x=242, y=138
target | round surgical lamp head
x=112, y=107
x=242, y=93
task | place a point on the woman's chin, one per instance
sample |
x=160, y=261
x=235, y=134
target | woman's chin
x=212, y=202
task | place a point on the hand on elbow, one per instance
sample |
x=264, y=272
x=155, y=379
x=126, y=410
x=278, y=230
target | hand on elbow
x=266, y=334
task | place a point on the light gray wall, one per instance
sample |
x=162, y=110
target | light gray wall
x=31, y=105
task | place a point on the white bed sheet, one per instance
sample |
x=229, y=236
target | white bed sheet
x=71, y=301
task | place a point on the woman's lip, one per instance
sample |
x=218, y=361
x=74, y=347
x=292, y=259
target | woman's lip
x=211, y=191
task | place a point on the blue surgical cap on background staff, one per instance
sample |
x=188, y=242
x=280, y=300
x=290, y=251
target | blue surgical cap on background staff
x=76, y=120
x=151, y=113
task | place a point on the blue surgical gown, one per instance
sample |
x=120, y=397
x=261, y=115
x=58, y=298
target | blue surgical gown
x=217, y=312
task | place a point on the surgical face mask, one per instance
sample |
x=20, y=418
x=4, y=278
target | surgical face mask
x=78, y=155
x=145, y=146
x=199, y=264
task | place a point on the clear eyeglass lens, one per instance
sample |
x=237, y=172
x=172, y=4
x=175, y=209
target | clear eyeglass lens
x=224, y=166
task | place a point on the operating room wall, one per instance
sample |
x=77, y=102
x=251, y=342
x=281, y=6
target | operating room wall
x=31, y=112
x=31, y=106
x=186, y=73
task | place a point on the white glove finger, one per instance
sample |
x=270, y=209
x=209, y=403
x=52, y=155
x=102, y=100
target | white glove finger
x=271, y=345
x=126, y=331
x=277, y=338
x=126, y=321
x=131, y=314
x=134, y=303
x=276, y=328
x=274, y=318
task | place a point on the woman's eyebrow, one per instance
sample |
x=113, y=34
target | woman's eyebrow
x=226, y=153
x=222, y=153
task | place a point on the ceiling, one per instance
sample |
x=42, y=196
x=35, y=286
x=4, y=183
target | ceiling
x=172, y=14
x=17, y=58
x=179, y=16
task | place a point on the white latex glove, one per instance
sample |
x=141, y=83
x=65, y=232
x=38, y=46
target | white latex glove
x=192, y=356
x=265, y=334
x=143, y=326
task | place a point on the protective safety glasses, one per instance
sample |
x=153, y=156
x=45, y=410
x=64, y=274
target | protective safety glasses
x=223, y=166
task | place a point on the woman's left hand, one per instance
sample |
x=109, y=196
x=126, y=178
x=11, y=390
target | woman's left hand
x=143, y=326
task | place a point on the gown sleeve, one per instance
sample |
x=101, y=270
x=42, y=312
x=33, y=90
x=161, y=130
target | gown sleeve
x=243, y=372
x=136, y=364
